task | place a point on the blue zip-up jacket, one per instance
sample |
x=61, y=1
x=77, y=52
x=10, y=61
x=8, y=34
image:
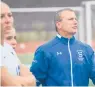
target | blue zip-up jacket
x=64, y=62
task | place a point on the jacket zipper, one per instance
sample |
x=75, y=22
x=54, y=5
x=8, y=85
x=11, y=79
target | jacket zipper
x=70, y=62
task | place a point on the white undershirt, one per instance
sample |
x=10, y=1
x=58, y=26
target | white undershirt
x=10, y=59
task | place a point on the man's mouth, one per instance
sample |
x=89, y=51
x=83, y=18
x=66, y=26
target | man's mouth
x=75, y=27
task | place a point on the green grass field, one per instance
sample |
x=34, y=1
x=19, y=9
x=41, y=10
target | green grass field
x=27, y=59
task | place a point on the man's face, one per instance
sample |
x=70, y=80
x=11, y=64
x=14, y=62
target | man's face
x=68, y=23
x=6, y=19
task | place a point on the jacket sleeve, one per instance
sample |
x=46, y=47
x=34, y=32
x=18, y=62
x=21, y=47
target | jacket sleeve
x=39, y=66
x=92, y=73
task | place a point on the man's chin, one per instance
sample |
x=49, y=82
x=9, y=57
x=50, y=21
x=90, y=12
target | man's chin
x=73, y=33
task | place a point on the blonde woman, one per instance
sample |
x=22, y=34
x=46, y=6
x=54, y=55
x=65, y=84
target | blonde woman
x=13, y=73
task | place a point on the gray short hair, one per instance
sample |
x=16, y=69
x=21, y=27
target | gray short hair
x=58, y=13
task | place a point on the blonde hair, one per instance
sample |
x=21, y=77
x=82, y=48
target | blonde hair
x=3, y=3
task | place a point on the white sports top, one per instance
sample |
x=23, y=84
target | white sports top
x=10, y=59
x=0, y=55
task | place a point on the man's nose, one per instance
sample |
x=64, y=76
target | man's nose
x=75, y=21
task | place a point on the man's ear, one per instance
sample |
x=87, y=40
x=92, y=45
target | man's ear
x=58, y=25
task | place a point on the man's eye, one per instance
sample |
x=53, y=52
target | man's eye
x=71, y=18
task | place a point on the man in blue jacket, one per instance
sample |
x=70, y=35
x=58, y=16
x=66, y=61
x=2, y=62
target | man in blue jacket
x=64, y=61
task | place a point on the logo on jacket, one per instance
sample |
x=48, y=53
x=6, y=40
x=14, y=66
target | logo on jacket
x=59, y=53
x=80, y=55
x=35, y=61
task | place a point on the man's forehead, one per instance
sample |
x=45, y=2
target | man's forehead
x=67, y=13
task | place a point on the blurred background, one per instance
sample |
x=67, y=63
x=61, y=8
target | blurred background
x=34, y=23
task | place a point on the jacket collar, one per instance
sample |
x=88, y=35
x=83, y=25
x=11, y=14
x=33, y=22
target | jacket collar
x=65, y=40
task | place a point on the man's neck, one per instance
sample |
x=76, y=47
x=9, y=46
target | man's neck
x=66, y=35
